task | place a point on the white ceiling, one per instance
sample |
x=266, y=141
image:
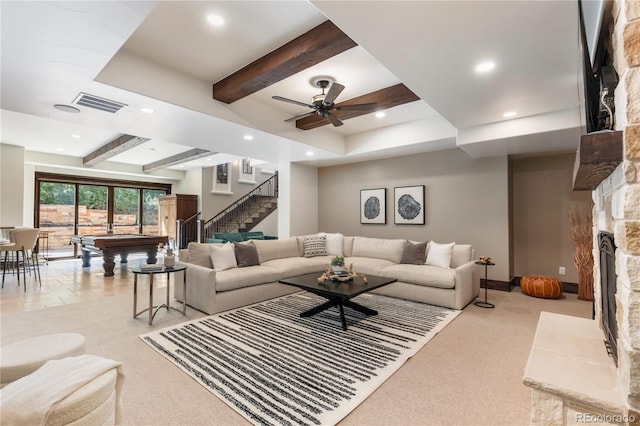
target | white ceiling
x=164, y=55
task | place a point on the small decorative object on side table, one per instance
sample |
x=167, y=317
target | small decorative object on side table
x=486, y=261
x=169, y=258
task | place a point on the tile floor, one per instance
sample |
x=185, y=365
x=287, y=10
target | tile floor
x=66, y=281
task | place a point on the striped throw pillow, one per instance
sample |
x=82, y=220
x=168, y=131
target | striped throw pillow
x=315, y=245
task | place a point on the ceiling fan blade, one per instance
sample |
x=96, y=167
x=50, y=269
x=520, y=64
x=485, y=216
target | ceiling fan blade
x=359, y=107
x=291, y=101
x=333, y=93
x=333, y=119
x=297, y=117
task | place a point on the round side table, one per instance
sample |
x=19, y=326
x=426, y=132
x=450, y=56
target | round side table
x=153, y=310
x=480, y=303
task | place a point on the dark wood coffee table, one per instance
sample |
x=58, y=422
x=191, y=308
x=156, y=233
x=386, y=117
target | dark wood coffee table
x=338, y=293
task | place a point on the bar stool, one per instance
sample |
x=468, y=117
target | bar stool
x=24, y=241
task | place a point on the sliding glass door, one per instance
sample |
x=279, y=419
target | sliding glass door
x=74, y=205
x=56, y=210
x=150, y=211
x=126, y=211
x=92, y=209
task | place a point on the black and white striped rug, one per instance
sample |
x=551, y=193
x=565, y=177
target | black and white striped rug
x=276, y=368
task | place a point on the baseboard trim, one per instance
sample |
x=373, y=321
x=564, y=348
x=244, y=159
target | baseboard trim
x=571, y=288
x=497, y=285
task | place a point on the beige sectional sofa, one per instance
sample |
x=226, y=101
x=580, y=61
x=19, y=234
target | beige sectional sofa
x=210, y=290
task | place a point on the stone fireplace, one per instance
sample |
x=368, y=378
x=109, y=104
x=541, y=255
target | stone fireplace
x=610, y=394
x=617, y=204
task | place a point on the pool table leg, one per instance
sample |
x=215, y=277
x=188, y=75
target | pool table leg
x=123, y=257
x=86, y=258
x=108, y=264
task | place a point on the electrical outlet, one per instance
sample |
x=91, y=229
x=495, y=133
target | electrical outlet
x=562, y=270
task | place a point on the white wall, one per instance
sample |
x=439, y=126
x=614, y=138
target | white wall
x=303, y=215
x=12, y=186
x=269, y=225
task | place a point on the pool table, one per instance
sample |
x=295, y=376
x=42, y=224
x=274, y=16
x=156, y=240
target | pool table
x=108, y=245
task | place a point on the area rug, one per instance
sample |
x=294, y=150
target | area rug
x=276, y=368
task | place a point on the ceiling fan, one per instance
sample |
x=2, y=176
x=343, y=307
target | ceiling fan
x=323, y=104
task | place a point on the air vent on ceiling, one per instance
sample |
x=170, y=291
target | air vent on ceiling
x=96, y=102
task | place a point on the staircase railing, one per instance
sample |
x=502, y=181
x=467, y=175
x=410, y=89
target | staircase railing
x=187, y=230
x=237, y=213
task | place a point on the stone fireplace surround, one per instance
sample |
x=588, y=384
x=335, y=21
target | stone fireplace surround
x=587, y=387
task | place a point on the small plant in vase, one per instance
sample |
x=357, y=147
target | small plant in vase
x=337, y=264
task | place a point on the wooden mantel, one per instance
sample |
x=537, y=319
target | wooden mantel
x=599, y=153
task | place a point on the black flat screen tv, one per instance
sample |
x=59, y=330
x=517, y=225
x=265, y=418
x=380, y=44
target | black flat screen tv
x=597, y=60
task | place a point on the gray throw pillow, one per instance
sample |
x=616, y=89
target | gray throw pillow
x=246, y=254
x=414, y=253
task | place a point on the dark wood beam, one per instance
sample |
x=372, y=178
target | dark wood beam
x=321, y=43
x=183, y=157
x=598, y=155
x=113, y=148
x=385, y=98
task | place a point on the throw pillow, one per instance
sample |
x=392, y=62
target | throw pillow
x=439, y=254
x=223, y=257
x=315, y=245
x=246, y=254
x=334, y=243
x=413, y=253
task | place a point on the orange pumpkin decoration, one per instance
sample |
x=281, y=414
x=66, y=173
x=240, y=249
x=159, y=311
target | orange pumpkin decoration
x=541, y=286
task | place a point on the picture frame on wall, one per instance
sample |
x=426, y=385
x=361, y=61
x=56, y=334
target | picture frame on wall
x=373, y=206
x=408, y=205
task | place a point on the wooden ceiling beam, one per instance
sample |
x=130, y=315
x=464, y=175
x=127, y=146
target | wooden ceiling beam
x=113, y=148
x=318, y=44
x=385, y=98
x=183, y=157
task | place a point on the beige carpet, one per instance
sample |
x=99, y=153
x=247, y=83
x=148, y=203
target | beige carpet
x=469, y=374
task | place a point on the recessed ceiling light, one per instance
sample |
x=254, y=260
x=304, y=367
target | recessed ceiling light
x=209, y=159
x=146, y=110
x=309, y=153
x=59, y=149
x=248, y=137
x=509, y=114
x=380, y=114
x=75, y=136
x=485, y=66
x=215, y=20
x=181, y=166
x=66, y=108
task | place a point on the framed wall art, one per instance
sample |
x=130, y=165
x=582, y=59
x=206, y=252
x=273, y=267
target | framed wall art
x=373, y=204
x=409, y=205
